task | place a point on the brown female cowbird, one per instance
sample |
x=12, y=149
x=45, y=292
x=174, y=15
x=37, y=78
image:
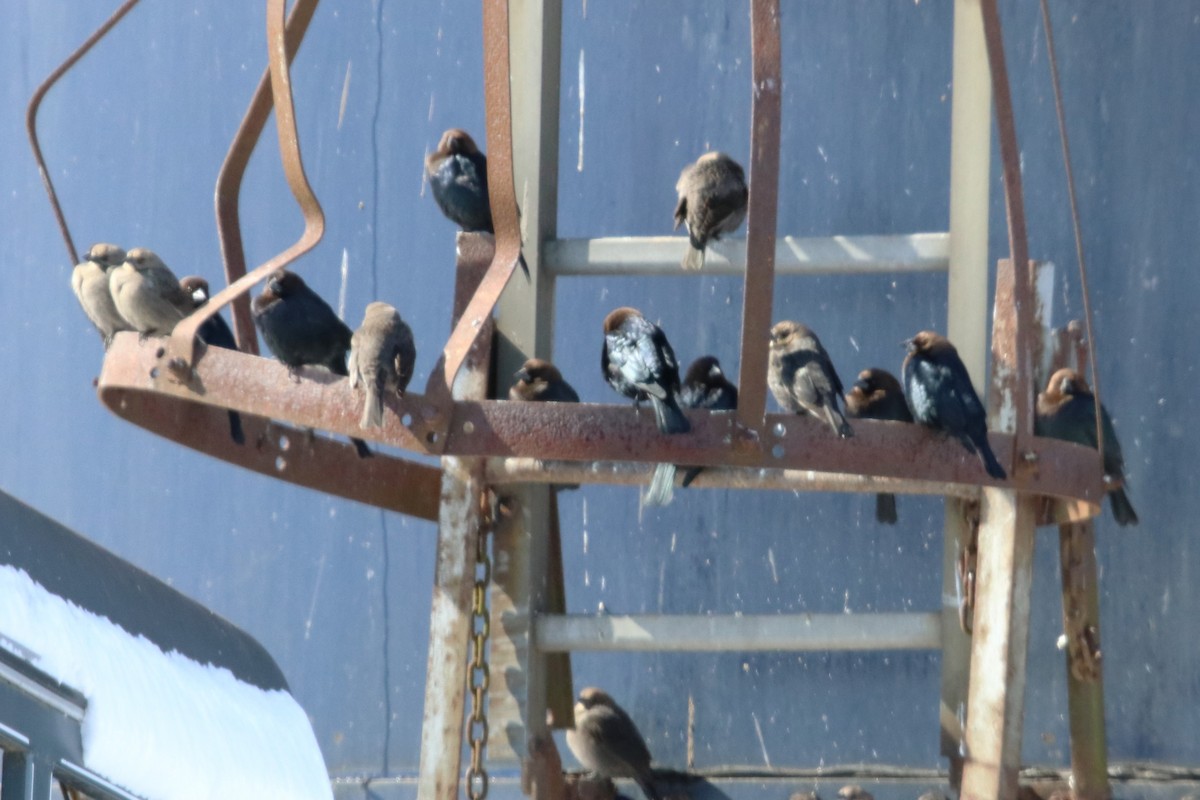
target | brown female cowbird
x=877, y=395
x=89, y=281
x=1067, y=411
x=539, y=381
x=606, y=742
x=638, y=362
x=382, y=358
x=147, y=294
x=712, y=201
x=705, y=386
x=940, y=396
x=301, y=329
x=215, y=333
x=802, y=377
x=457, y=174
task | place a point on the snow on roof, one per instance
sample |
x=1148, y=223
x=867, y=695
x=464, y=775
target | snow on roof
x=160, y=724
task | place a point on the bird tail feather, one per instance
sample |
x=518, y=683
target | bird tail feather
x=989, y=461
x=646, y=784
x=372, y=415
x=690, y=476
x=838, y=422
x=669, y=417
x=885, y=509
x=694, y=258
x=661, y=490
x=1122, y=509
x=235, y=428
x=361, y=448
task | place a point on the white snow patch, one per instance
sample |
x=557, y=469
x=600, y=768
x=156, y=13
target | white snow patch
x=160, y=724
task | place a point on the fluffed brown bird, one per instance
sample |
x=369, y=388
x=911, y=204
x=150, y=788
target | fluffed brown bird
x=705, y=386
x=877, y=395
x=940, y=396
x=215, y=333
x=382, y=358
x=712, y=201
x=802, y=377
x=539, y=381
x=147, y=294
x=89, y=281
x=1067, y=410
x=606, y=742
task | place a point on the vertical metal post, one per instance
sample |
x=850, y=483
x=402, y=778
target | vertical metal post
x=24, y=778
x=966, y=325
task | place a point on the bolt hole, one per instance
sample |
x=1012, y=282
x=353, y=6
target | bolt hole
x=280, y=464
x=154, y=372
x=780, y=429
x=777, y=451
x=160, y=352
x=468, y=427
x=406, y=420
x=431, y=437
x=284, y=443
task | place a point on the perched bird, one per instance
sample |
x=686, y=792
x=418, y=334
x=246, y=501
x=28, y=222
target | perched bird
x=940, y=396
x=877, y=395
x=705, y=386
x=1067, y=411
x=300, y=328
x=853, y=791
x=802, y=377
x=216, y=333
x=638, y=362
x=539, y=381
x=89, y=280
x=712, y=201
x=382, y=358
x=457, y=174
x=606, y=742
x=147, y=294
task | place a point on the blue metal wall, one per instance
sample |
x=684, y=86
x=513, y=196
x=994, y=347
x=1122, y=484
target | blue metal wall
x=135, y=136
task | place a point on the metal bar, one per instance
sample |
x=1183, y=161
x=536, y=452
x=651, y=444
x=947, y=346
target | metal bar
x=17, y=776
x=704, y=633
x=184, y=348
x=227, y=196
x=763, y=207
x=35, y=103
x=817, y=255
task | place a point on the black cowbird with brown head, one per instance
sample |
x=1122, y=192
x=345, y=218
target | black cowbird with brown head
x=215, y=333
x=940, y=396
x=606, y=742
x=877, y=395
x=301, y=329
x=705, y=386
x=539, y=381
x=802, y=377
x=637, y=361
x=1067, y=411
x=457, y=174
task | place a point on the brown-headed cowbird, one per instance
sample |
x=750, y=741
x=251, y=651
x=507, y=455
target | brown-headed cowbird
x=705, y=386
x=712, y=201
x=89, y=281
x=802, y=377
x=940, y=396
x=457, y=174
x=1067, y=411
x=216, y=333
x=382, y=358
x=877, y=395
x=301, y=329
x=638, y=362
x=606, y=742
x=539, y=381
x=147, y=294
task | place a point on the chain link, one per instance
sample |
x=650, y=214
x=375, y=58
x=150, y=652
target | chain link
x=479, y=676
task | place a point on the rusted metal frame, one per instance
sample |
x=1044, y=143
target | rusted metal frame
x=35, y=103
x=183, y=347
x=505, y=220
x=761, y=216
x=227, y=195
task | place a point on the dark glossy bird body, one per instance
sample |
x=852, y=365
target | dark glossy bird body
x=215, y=333
x=705, y=386
x=802, y=378
x=539, y=381
x=940, y=396
x=457, y=174
x=712, y=201
x=1067, y=410
x=637, y=361
x=877, y=395
x=606, y=742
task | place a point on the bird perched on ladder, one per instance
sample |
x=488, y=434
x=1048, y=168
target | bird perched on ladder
x=89, y=281
x=215, y=333
x=147, y=294
x=457, y=174
x=301, y=329
x=637, y=361
x=940, y=396
x=382, y=358
x=802, y=377
x=877, y=395
x=705, y=386
x=712, y=201
x=539, y=381
x=606, y=742
x=1067, y=411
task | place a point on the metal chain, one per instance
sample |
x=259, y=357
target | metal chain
x=479, y=676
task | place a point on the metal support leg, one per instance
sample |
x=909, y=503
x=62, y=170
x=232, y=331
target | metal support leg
x=23, y=778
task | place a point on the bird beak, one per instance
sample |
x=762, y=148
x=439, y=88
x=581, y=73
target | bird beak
x=199, y=297
x=522, y=376
x=715, y=372
x=862, y=387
